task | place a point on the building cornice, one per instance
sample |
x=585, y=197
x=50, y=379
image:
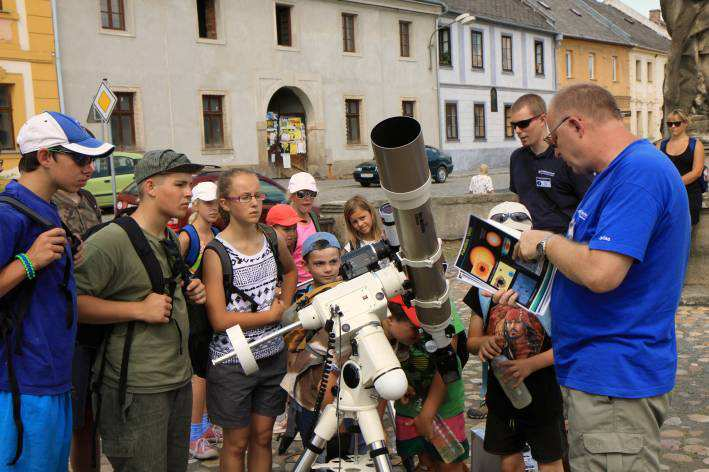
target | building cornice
x=431, y=7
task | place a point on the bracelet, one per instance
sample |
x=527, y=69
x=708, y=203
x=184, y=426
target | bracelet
x=27, y=264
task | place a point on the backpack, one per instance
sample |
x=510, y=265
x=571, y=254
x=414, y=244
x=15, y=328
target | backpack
x=201, y=337
x=13, y=308
x=192, y=256
x=704, y=178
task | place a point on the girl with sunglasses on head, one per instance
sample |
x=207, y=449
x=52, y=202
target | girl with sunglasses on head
x=687, y=154
x=302, y=191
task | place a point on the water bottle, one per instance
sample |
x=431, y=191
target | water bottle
x=519, y=396
x=445, y=442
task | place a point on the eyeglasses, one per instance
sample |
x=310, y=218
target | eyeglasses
x=550, y=139
x=673, y=124
x=522, y=124
x=81, y=160
x=247, y=197
x=516, y=216
x=306, y=194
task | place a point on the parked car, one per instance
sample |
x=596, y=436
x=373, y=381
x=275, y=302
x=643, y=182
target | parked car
x=440, y=164
x=128, y=199
x=100, y=182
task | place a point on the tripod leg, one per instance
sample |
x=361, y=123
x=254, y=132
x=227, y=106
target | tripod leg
x=324, y=430
x=373, y=433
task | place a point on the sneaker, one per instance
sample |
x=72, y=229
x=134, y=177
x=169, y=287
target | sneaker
x=213, y=434
x=201, y=449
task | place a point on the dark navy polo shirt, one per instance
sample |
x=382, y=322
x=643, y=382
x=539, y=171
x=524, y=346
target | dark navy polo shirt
x=547, y=186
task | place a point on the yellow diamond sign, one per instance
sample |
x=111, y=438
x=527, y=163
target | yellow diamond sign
x=104, y=101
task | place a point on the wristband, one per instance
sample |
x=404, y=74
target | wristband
x=27, y=264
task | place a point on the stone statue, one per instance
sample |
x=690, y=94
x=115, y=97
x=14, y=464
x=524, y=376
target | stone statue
x=687, y=70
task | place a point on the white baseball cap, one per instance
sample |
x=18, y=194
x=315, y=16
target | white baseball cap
x=302, y=181
x=204, y=192
x=51, y=129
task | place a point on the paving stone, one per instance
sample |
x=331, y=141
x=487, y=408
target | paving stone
x=673, y=421
x=699, y=418
x=694, y=441
x=670, y=444
x=671, y=433
x=696, y=449
x=672, y=457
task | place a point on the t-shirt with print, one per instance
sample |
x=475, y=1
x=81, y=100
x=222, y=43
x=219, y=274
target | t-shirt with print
x=622, y=343
x=524, y=337
x=257, y=276
x=78, y=217
x=44, y=366
x=112, y=270
x=303, y=230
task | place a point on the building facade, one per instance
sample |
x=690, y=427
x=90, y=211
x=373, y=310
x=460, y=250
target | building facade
x=484, y=66
x=28, y=79
x=274, y=85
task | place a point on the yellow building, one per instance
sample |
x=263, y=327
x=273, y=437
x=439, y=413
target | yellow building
x=28, y=78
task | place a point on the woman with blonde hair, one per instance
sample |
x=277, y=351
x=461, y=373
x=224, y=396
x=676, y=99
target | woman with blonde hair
x=687, y=154
x=363, y=225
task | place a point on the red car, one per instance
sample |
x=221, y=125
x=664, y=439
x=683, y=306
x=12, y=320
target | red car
x=127, y=199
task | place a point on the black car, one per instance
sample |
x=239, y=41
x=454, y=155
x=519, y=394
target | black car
x=441, y=166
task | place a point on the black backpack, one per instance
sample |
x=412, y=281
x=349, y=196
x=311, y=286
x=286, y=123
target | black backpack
x=13, y=308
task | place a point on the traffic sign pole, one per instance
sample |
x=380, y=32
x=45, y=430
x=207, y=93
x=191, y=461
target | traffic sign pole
x=105, y=136
x=104, y=102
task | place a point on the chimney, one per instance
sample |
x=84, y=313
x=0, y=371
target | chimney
x=656, y=17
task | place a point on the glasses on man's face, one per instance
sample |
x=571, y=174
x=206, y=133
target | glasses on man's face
x=673, y=124
x=516, y=216
x=81, y=160
x=550, y=138
x=523, y=124
x=247, y=197
x=306, y=194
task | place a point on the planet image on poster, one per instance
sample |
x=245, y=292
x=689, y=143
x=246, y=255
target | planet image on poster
x=506, y=246
x=493, y=239
x=482, y=261
x=503, y=276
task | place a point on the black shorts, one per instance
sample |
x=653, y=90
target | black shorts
x=504, y=436
x=81, y=384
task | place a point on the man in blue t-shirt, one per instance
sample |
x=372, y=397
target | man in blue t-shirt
x=38, y=324
x=620, y=275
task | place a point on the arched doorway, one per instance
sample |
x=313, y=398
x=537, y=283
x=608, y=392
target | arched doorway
x=286, y=132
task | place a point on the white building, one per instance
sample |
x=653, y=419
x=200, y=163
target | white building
x=484, y=66
x=211, y=77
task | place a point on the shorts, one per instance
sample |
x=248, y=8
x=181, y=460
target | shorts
x=505, y=436
x=81, y=384
x=47, y=437
x=409, y=443
x=233, y=396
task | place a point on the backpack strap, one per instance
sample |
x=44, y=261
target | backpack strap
x=663, y=145
x=316, y=220
x=272, y=240
x=692, y=144
x=193, y=249
x=228, y=275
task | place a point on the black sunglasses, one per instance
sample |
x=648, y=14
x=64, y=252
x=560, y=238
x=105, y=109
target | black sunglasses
x=517, y=216
x=306, y=194
x=522, y=124
x=673, y=124
x=81, y=160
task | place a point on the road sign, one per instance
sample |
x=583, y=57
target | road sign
x=104, y=101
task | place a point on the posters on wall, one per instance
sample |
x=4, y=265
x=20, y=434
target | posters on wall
x=287, y=133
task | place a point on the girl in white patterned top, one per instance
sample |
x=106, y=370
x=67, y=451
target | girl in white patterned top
x=481, y=183
x=246, y=406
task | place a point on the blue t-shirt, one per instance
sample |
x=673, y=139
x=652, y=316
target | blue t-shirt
x=44, y=364
x=622, y=343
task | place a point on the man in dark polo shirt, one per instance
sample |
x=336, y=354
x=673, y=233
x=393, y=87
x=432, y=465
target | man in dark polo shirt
x=543, y=182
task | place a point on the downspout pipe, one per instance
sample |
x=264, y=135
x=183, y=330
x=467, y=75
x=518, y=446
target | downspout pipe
x=58, y=56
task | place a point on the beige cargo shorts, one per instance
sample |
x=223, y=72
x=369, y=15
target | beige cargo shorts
x=612, y=434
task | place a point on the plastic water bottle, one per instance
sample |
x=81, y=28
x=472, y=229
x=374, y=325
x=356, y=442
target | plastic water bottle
x=519, y=396
x=445, y=442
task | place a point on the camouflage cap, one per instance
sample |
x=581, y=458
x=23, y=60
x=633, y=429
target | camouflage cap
x=163, y=161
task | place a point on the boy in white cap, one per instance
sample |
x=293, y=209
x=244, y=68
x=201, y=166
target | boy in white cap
x=302, y=191
x=38, y=293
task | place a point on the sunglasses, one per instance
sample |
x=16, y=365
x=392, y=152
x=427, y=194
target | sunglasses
x=247, y=197
x=523, y=124
x=550, y=139
x=673, y=124
x=306, y=194
x=516, y=216
x=81, y=160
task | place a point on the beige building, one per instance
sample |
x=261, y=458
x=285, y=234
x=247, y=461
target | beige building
x=294, y=84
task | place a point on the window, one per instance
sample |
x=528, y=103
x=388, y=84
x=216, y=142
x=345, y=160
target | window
x=614, y=68
x=452, y=121
x=283, y=26
x=348, y=32
x=479, y=120
x=649, y=72
x=444, y=47
x=539, y=57
x=476, y=42
x=509, y=132
x=639, y=123
x=591, y=66
x=638, y=71
x=123, y=121
x=650, y=123
x=7, y=134
x=506, y=53
x=493, y=100
x=404, y=38
x=113, y=14
x=569, y=62
x=213, y=115
x=207, y=19
x=408, y=108
x=352, y=112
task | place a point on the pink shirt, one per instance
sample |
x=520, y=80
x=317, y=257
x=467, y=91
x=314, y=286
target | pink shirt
x=304, y=230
